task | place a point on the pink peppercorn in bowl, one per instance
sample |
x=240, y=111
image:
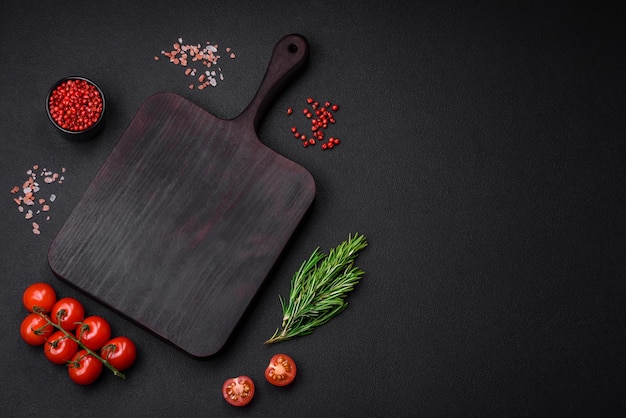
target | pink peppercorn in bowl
x=76, y=108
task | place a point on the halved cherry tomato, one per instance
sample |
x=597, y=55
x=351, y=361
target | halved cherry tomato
x=59, y=348
x=84, y=368
x=67, y=312
x=120, y=352
x=40, y=295
x=281, y=371
x=35, y=329
x=93, y=332
x=238, y=391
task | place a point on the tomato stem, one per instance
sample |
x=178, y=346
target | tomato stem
x=90, y=351
x=41, y=330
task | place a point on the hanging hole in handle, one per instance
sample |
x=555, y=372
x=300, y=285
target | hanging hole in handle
x=293, y=48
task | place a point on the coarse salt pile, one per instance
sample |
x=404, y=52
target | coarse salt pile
x=29, y=201
x=193, y=56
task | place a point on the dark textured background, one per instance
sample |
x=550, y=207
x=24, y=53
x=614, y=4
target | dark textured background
x=482, y=156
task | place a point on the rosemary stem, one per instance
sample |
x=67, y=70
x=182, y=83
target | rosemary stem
x=318, y=289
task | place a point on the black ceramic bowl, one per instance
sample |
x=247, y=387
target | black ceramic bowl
x=76, y=108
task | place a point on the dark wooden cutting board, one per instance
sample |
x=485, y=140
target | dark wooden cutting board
x=183, y=222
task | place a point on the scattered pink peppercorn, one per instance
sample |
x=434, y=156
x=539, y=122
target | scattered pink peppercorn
x=320, y=118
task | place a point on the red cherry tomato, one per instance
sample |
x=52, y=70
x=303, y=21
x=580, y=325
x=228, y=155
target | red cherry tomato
x=84, y=368
x=93, y=332
x=238, y=391
x=59, y=348
x=281, y=371
x=40, y=295
x=67, y=312
x=120, y=352
x=35, y=329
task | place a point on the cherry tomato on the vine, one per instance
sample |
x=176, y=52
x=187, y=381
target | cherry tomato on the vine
x=35, y=329
x=84, y=368
x=93, y=332
x=68, y=313
x=40, y=295
x=281, y=371
x=238, y=391
x=120, y=352
x=59, y=348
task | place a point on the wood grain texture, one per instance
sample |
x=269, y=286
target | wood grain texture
x=186, y=217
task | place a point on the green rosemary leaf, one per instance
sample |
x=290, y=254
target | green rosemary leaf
x=318, y=289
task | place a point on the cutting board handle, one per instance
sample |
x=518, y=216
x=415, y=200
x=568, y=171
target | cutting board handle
x=290, y=54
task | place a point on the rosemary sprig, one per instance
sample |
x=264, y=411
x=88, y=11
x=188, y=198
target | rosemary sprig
x=318, y=289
